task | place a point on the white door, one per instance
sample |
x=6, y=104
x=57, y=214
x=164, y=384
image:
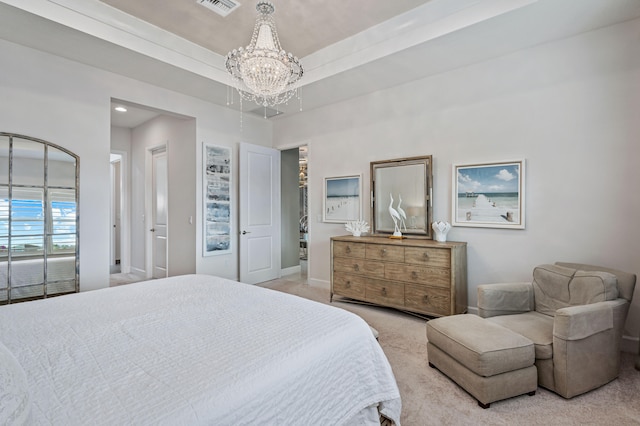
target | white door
x=259, y=213
x=159, y=199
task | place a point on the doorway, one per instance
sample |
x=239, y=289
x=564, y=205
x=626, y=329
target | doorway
x=115, y=266
x=136, y=131
x=304, y=209
x=295, y=229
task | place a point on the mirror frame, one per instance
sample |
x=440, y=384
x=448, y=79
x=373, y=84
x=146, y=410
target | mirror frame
x=402, y=171
x=49, y=283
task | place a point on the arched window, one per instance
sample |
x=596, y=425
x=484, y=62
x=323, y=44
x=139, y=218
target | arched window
x=38, y=219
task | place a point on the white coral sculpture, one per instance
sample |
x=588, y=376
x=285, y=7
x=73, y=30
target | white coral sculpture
x=357, y=227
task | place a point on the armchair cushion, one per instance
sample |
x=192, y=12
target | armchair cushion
x=504, y=299
x=534, y=326
x=556, y=287
x=626, y=280
x=593, y=286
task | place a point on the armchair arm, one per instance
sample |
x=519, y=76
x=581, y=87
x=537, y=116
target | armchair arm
x=580, y=322
x=504, y=299
x=586, y=346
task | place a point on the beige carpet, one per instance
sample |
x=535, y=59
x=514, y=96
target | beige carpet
x=430, y=398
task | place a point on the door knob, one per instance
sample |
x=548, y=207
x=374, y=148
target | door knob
x=152, y=229
x=245, y=232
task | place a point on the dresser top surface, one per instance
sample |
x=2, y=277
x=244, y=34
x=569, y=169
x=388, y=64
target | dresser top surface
x=405, y=242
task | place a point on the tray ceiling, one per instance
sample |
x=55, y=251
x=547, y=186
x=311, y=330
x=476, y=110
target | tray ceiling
x=303, y=26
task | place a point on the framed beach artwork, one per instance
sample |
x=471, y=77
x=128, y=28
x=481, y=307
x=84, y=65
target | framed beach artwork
x=216, y=200
x=341, y=202
x=489, y=195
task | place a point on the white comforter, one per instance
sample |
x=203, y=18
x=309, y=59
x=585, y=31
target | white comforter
x=196, y=350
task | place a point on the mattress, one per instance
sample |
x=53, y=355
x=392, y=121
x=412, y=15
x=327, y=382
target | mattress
x=197, y=349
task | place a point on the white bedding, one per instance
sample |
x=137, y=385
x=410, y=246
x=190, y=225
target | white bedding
x=196, y=349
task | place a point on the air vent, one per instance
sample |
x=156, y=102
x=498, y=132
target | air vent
x=221, y=7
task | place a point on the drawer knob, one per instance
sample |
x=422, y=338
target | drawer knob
x=384, y=291
x=348, y=249
x=383, y=252
x=425, y=298
x=414, y=275
x=348, y=284
x=356, y=267
x=425, y=255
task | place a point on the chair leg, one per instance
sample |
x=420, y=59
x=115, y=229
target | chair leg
x=531, y=393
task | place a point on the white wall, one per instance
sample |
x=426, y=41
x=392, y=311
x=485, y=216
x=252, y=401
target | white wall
x=121, y=139
x=226, y=265
x=178, y=136
x=50, y=100
x=68, y=104
x=570, y=108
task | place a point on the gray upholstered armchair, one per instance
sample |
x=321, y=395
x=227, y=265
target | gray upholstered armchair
x=574, y=314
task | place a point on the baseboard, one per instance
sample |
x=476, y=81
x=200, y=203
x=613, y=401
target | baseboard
x=290, y=271
x=139, y=272
x=319, y=283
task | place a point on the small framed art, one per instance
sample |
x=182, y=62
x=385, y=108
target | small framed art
x=342, y=202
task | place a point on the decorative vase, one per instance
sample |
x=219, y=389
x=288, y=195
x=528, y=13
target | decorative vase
x=441, y=229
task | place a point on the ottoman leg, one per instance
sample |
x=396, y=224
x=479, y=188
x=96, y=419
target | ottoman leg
x=484, y=406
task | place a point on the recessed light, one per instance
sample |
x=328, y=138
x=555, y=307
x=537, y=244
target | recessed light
x=120, y=109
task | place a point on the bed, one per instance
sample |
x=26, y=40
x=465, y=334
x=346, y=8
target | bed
x=192, y=349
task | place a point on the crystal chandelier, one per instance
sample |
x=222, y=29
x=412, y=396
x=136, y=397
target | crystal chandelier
x=263, y=72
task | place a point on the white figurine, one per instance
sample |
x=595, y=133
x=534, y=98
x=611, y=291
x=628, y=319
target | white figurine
x=403, y=215
x=357, y=227
x=396, y=217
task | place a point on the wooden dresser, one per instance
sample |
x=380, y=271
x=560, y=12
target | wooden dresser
x=415, y=275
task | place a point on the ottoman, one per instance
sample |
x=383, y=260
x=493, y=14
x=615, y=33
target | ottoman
x=487, y=360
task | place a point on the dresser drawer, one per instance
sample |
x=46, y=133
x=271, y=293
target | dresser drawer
x=349, y=285
x=358, y=266
x=428, y=256
x=427, y=299
x=438, y=277
x=384, y=293
x=344, y=249
x=384, y=252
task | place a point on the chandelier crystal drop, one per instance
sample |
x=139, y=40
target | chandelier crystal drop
x=263, y=72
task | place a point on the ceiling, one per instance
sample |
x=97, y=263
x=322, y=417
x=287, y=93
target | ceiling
x=303, y=27
x=348, y=48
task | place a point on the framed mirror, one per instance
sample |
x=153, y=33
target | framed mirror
x=401, y=195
